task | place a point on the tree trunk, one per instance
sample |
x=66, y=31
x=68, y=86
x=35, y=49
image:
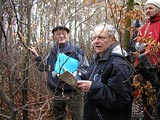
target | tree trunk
x=126, y=38
x=26, y=65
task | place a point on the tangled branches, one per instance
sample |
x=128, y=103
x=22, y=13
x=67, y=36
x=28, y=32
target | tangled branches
x=145, y=95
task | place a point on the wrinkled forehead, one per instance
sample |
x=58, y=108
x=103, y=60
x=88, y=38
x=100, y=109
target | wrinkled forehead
x=101, y=30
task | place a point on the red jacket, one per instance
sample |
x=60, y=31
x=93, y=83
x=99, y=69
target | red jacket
x=152, y=30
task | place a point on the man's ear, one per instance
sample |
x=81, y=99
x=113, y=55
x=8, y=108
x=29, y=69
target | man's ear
x=113, y=40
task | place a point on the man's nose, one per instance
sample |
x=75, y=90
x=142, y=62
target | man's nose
x=147, y=10
x=96, y=40
x=61, y=35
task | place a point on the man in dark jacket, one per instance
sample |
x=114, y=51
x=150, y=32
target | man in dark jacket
x=108, y=81
x=64, y=56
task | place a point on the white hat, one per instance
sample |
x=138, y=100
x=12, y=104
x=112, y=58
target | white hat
x=154, y=2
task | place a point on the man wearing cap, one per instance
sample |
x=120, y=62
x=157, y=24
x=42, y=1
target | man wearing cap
x=150, y=30
x=63, y=53
x=152, y=26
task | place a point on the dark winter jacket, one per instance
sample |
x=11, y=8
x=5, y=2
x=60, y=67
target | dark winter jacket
x=110, y=96
x=48, y=64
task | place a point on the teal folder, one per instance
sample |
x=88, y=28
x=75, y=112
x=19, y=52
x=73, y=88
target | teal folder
x=65, y=63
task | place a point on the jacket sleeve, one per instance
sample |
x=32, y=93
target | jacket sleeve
x=116, y=93
x=135, y=33
x=41, y=63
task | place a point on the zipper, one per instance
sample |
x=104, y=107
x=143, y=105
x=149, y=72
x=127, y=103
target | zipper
x=99, y=114
x=97, y=111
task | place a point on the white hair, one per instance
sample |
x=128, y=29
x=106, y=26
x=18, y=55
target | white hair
x=109, y=28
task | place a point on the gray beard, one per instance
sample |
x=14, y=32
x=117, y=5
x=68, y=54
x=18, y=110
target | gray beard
x=152, y=17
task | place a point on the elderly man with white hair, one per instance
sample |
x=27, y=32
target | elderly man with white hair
x=108, y=81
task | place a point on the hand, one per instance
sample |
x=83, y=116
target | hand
x=84, y=85
x=54, y=74
x=140, y=47
x=76, y=74
x=33, y=50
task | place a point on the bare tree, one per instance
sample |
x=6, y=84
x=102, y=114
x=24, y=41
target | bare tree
x=25, y=23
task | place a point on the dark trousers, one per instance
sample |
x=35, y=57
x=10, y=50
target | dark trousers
x=73, y=99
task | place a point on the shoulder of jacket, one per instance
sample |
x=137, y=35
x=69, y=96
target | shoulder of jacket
x=78, y=50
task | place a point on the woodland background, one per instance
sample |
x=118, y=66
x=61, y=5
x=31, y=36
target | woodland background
x=25, y=23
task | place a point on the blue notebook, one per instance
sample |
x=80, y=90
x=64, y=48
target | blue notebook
x=65, y=63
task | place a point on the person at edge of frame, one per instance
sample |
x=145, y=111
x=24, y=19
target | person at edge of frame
x=148, y=62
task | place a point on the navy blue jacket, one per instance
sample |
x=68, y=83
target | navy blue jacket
x=48, y=64
x=110, y=96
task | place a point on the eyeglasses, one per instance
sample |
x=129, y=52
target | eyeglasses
x=60, y=33
x=99, y=38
